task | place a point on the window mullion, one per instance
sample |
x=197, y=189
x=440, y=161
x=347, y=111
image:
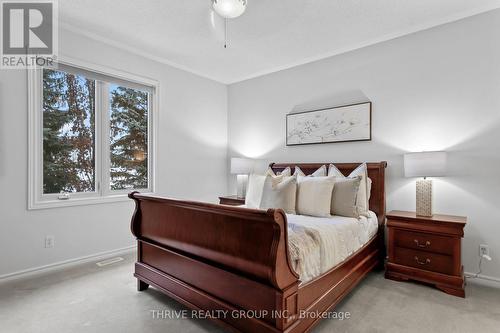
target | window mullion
x=105, y=142
x=98, y=138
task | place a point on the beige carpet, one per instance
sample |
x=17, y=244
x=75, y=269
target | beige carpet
x=92, y=299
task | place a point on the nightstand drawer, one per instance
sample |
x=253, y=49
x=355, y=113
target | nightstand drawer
x=424, y=260
x=425, y=242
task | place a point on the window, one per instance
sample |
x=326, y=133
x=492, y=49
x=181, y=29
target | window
x=91, y=135
x=68, y=133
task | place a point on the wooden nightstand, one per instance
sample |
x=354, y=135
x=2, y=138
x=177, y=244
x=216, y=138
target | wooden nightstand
x=231, y=200
x=426, y=249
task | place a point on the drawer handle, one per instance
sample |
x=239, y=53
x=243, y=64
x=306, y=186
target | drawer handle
x=427, y=261
x=427, y=243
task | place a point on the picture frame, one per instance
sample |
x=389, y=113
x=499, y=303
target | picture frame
x=345, y=123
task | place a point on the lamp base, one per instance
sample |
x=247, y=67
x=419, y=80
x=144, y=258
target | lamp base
x=241, y=181
x=424, y=197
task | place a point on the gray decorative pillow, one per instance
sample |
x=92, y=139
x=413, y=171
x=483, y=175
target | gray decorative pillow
x=344, y=196
x=363, y=197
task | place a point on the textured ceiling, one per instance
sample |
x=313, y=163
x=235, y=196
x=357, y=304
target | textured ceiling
x=271, y=35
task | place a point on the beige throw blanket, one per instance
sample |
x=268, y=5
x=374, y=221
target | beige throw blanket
x=318, y=244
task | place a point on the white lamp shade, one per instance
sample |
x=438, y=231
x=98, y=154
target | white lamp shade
x=229, y=8
x=241, y=166
x=425, y=164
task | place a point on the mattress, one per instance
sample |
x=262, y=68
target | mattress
x=317, y=244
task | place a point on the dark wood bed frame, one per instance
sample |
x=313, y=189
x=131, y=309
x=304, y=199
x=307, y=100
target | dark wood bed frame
x=223, y=258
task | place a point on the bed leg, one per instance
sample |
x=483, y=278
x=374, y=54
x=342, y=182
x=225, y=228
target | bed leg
x=141, y=285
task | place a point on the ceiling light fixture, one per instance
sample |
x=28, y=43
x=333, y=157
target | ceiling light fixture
x=228, y=9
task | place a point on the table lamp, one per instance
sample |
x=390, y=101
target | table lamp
x=241, y=167
x=425, y=164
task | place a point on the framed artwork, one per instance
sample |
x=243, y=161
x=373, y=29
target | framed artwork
x=338, y=124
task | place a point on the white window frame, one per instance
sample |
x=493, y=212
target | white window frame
x=103, y=194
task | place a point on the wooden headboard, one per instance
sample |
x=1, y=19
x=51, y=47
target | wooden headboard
x=376, y=172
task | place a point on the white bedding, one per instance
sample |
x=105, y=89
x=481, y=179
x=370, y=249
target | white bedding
x=317, y=244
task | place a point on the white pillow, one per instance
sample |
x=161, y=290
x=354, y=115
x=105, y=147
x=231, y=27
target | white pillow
x=362, y=198
x=279, y=192
x=369, y=187
x=254, y=190
x=321, y=172
x=314, y=195
x=287, y=172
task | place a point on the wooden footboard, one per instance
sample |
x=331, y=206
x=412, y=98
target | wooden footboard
x=215, y=257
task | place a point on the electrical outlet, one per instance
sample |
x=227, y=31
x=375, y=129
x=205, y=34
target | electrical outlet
x=484, y=250
x=49, y=241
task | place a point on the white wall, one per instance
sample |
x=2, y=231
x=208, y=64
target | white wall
x=434, y=90
x=192, y=139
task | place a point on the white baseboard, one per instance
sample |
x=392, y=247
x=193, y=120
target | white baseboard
x=484, y=280
x=66, y=263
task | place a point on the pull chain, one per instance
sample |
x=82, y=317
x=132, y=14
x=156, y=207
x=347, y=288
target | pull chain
x=225, y=32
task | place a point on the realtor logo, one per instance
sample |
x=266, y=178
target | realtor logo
x=29, y=33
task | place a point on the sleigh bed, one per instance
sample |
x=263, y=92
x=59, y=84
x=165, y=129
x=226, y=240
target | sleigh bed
x=232, y=260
